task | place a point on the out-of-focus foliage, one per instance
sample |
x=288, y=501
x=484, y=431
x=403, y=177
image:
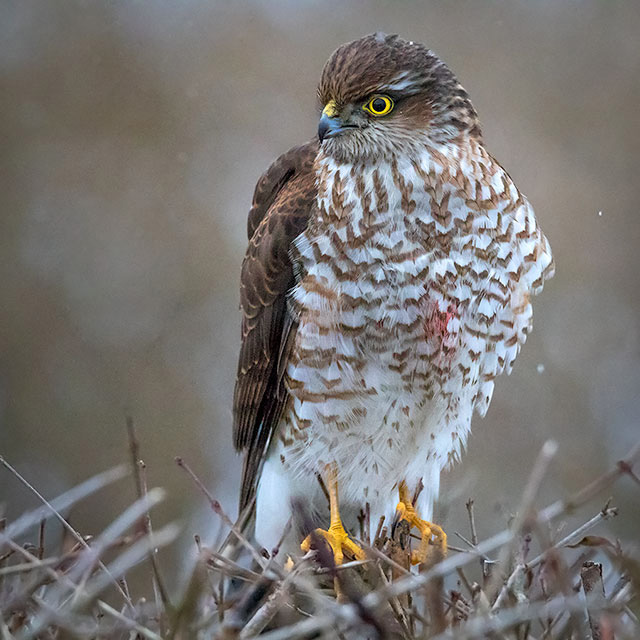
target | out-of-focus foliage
x=48, y=592
x=132, y=136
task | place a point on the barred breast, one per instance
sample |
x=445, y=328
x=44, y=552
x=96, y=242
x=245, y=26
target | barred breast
x=412, y=295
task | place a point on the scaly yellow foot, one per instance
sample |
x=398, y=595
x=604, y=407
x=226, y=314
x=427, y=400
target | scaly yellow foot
x=339, y=542
x=428, y=531
x=336, y=535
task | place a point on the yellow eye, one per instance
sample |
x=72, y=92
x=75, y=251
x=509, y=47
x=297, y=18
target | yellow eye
x=379, y=105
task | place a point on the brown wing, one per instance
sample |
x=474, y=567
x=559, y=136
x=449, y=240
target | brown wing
x=280, y=211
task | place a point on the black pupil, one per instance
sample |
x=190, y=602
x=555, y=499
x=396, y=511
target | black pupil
x=378, y=104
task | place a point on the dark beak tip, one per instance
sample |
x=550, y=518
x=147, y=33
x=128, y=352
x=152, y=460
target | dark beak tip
x=323, y=129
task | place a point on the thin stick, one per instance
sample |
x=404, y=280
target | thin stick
x=464, y=580
x=604, y=514
x=131, y=624
x=472, y=545
x=217, y=508
x=205, y=554
x=274, y=602
x=41, y=529
x=56, y=576
x=524, y=515
x=626, y=468
x=108, y=537
x=62, y=521
x=51, y=574
x=28, y=566
x=379, y=528
x=62, y=502
x=508, y=618
x=396, y=607
x=138, y=467
x=472, y=521
x=132, y=556
x=390, y=561
x=232, y=565
x=596, y=486
x=341, y=567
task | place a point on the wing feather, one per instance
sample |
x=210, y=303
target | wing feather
x=282, y=203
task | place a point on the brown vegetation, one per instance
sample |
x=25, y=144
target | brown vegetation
x=578, y=586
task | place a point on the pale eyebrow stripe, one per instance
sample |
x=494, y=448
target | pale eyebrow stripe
x=402, y=82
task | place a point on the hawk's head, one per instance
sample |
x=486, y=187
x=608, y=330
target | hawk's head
x=382, y=95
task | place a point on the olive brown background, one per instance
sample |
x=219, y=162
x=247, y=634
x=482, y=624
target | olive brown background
x=132, y=134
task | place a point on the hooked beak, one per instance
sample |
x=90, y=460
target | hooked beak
x=328, y=127
x=331, y=124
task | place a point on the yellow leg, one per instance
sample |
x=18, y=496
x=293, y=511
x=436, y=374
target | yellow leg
x=336, y=536
x=428, y=531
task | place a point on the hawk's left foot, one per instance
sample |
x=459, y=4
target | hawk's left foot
x=428, y=531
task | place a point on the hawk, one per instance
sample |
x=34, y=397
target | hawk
x=387, y=283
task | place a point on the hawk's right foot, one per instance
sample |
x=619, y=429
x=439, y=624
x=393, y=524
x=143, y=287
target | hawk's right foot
x=339, y=541
x=336, y=535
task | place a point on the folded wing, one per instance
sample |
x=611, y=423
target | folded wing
x=282, y=204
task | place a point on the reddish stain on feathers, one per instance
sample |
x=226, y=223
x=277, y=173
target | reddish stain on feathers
x=440, y=325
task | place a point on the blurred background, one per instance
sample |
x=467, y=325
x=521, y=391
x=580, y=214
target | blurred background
x=132, y=134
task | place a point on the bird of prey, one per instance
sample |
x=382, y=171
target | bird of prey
x=387, y=283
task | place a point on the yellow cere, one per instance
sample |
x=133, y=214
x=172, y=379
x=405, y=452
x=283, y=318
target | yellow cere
x=379, y=105
x=330, y=109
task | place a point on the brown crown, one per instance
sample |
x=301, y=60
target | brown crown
x=366, y=66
